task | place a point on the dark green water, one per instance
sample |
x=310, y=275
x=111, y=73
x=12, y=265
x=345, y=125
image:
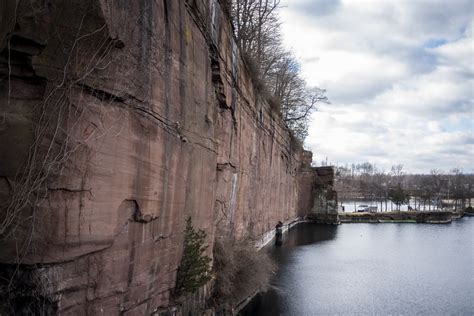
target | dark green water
x=375, y=269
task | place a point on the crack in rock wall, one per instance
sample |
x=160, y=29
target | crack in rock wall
x=152, y=118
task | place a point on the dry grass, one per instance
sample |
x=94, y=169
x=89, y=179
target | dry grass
x=295, y=143
x=275, y=104
x=240, y=270
x=259, y=84
x=254, y=73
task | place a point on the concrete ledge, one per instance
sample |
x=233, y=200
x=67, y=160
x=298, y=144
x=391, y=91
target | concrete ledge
x=269, y=236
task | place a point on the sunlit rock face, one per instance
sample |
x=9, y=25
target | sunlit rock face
x=132, y=116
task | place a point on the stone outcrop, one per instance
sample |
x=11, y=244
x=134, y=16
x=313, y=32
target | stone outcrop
x=325, y=198
x=119, y=120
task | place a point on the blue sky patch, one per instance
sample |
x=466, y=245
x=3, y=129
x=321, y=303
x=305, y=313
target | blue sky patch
x=433, y=43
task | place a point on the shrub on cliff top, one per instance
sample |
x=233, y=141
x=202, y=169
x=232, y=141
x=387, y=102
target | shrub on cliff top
x=194, y=269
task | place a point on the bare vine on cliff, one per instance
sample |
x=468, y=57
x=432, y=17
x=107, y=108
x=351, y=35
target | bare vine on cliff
x=55, y=137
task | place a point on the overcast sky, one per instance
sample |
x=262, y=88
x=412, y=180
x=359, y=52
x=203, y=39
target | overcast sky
x=399, y=75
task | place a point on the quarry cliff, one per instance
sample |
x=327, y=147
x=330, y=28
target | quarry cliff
x=119, y=120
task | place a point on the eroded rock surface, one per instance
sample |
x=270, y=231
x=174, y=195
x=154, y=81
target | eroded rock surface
x=133, y=115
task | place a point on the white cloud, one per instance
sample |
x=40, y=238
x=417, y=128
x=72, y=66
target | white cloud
x=400, y=76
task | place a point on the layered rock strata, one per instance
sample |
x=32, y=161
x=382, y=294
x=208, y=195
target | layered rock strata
x=119, y=120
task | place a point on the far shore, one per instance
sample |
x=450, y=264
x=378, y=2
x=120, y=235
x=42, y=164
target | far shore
x=433, y=217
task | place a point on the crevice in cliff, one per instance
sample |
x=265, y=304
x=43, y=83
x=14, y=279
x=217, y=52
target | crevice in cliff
x=212, y=36
x=218, y=85
x=15, y=59
x=160, y=238
x=217, y=82
x=25, y=45
x=227, y=165
x=139, y=217
x=71, y=190
x=101, y=95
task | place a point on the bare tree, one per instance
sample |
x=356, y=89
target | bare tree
x=258, y=35
x=256, y=25
x=459, y=187
x=397, y=170
x=453, y=188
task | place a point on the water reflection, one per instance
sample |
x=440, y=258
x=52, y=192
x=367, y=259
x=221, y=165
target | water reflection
x=270, y=303
x=308, y=233
x=372, y=269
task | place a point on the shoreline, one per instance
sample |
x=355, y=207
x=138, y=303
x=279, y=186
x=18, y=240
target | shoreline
x=433, y=217
x=413, y=217
x=383, y=236
x=445, y=217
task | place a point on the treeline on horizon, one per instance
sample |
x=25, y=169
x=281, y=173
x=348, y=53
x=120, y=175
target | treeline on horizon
x=274, y=70
x=367, y=181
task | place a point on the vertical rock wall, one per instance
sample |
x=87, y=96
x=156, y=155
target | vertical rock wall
x=325, y=199
x=133, y=115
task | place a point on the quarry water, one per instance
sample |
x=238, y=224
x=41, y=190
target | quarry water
x=375, y=269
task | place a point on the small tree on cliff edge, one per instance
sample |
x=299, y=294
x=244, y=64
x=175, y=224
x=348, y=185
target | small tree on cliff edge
x=398, y=196
x=194, y=269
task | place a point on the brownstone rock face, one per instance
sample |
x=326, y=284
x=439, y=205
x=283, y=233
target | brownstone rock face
x=119, y=120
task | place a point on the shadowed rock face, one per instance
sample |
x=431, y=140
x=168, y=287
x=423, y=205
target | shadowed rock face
x=131, y=116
